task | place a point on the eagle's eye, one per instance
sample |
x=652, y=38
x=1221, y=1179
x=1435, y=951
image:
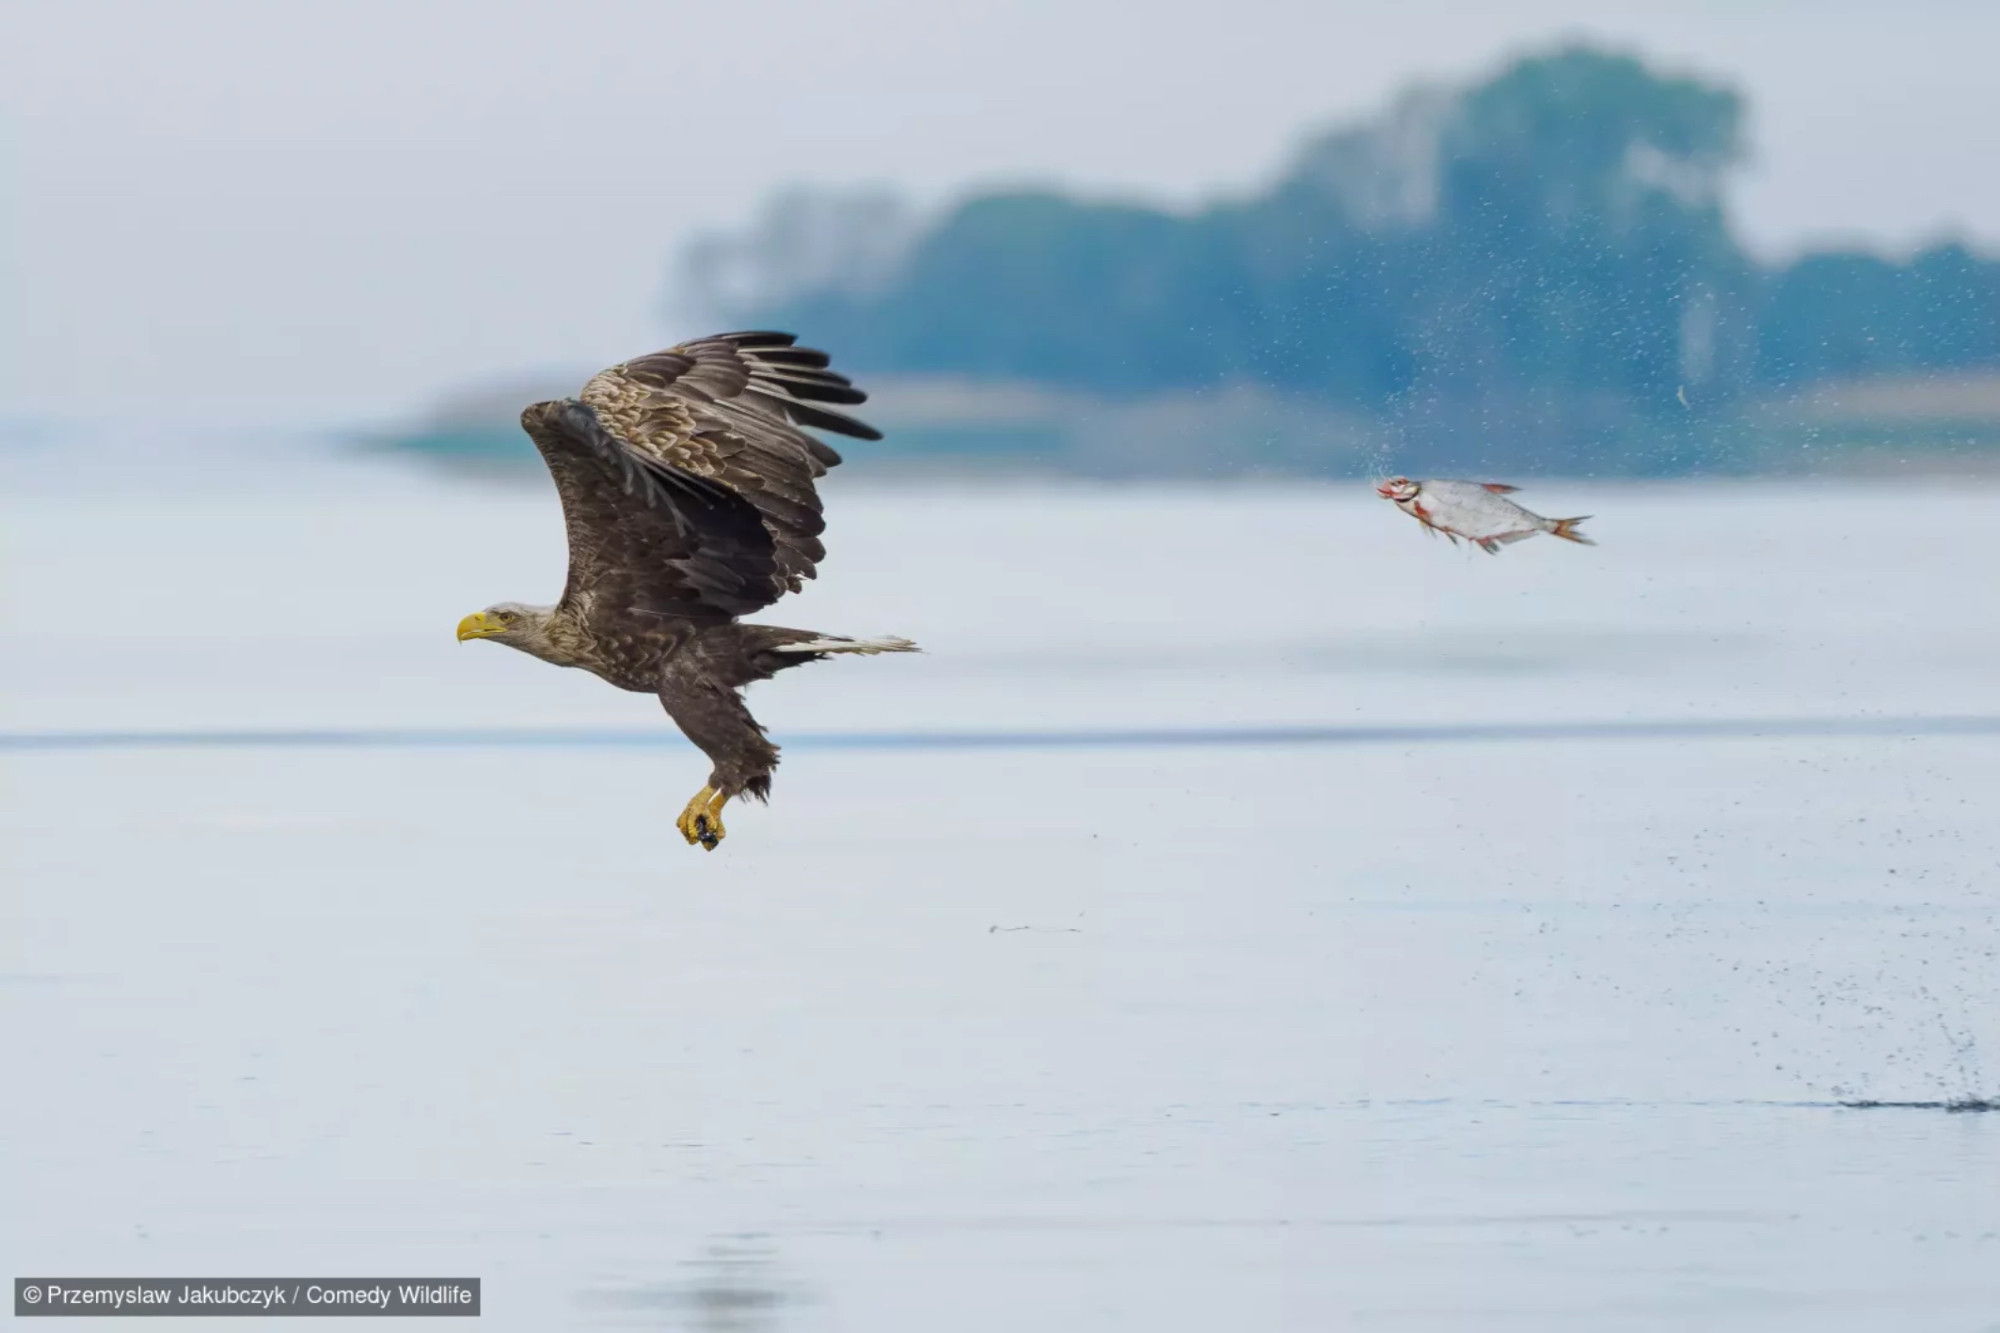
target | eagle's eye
x=505, y=617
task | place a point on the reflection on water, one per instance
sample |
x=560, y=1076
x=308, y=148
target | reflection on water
x=732, y=1287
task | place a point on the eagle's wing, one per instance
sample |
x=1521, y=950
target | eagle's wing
x=729, y=409
x=650, y=546
x=686, y=483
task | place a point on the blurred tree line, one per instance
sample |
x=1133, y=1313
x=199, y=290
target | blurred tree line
x=1545, y=253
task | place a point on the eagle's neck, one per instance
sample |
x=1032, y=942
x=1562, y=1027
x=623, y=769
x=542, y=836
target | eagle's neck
x=562, y=636
x=547, y=633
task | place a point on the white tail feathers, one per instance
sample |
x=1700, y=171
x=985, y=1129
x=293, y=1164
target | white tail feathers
x=831, y=644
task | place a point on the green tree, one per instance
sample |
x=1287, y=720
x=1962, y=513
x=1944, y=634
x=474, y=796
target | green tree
x=1541, y=259
x=1852, y=314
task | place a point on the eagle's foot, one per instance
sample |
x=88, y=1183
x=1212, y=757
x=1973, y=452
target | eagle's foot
x=694, y=823
x=701, y=821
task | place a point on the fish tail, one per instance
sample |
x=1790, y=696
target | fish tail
x=1565, y=528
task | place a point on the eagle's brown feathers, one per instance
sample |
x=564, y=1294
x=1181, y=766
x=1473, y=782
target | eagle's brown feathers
x=687, y=483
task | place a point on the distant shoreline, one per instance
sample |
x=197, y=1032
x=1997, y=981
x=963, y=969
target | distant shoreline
x=945, y=428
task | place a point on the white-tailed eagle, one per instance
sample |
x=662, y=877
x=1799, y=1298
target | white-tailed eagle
x=687, y=491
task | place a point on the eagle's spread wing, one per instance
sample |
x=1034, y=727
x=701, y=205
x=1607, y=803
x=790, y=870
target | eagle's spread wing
x=686, y=483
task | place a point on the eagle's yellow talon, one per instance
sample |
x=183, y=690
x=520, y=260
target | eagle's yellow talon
x=709, y=822
x=697, y=810
x=701, y=821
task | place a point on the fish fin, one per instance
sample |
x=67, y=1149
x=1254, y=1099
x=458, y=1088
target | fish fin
x=1488, y=545
x=1499, y=487
x=1565, y=528
x=1509, y=538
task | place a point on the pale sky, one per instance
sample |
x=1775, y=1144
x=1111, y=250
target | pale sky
x=293, y=210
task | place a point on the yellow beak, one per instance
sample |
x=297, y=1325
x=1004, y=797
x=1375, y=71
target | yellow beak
x=477, y=626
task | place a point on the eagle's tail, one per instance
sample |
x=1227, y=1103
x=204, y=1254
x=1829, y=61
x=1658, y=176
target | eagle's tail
x=829, y=643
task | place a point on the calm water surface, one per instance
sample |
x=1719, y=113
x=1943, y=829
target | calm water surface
x=1538, y=1034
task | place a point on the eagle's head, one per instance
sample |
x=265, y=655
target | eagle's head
x=517, y=626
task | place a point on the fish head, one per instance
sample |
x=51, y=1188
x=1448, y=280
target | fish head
x=1398, y=489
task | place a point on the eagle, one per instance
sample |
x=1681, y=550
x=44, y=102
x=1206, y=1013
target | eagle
x=686, y=480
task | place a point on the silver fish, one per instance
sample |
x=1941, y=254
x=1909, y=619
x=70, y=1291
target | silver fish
x=1478, y=511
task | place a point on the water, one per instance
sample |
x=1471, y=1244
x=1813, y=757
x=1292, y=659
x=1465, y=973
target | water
x=1415, y=1029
